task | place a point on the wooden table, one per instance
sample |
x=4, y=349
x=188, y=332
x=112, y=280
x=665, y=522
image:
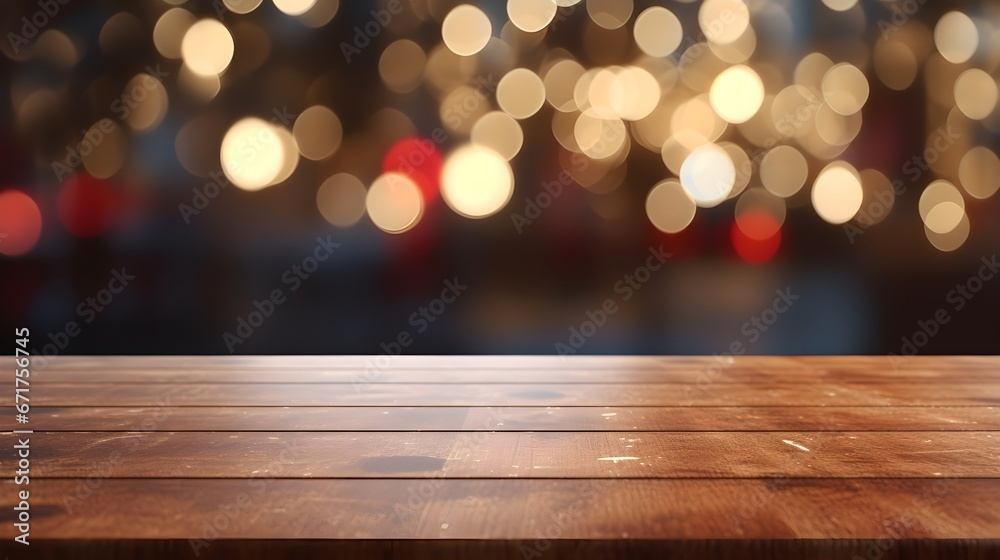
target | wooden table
x=510, y=457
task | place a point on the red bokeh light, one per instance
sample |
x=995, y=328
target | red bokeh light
x=419, y=159
x=86, y=205
x=20, y=223
x=756, y=250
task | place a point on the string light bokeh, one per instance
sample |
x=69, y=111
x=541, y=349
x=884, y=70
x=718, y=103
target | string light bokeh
x=734, y=129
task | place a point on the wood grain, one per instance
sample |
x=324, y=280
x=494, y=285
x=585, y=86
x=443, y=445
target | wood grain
x=453, y=394
x=512, y=509
x=539, y=419
x=520, y=454
x=420, y=457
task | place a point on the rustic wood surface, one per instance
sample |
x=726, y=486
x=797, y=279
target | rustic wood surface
x=510, y=457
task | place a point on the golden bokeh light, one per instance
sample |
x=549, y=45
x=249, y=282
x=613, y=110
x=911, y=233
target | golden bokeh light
x=294, y=7
x=634, y=94
x=737, y=94
x=341, y=200
x=836, y=129
x=500, y=132
x=708, y=175
x=979, y=172
x=669, y=207
x=57, y=48
x=317, y=132
x=104, y=159
x=944, y=217
x=600, y=138
x=402, y=65
x=148, y=102
x=723, y=21
x=609, y=14
x=242, y=6
x=845, y=88
x=941, y=207
x=784, y=171
x=696, y=115
x=737, y=51
x=810, y=70
x=560, y=81
x=394, y=203
x=895, y=64
x=976, y=94
x=521, y=93
x=476, y=181
x=954, y=239
x=252, y=154
x=657, y=31
x=837, y=193
x=840, y=5
x=169, y=31
x=956, y=37
x=207, y=47
x=466, y=30
x=531, y=15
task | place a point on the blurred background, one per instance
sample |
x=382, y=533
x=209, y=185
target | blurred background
x=522, y=176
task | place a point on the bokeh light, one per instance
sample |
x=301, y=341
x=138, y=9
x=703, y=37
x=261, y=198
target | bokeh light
x=20, y=223
x=394, y=203
x=657, y=31
x=708, y=175
x=170, y=29
x=976, y=94
x=845, y=88
x=723, y=21
x=669, y=207
x=341, y=199
x=317, y=132
x=476, y=182
x=466, y=30
x=207, y=47
x=979, y=172
x=500, y=132
x=253, y=156
x=784, y=171
x=750, y=249
x=531, y=15
x=956, y=37
x=737, y=94
x=837, y=194
x=294, y=7
x=521, y=93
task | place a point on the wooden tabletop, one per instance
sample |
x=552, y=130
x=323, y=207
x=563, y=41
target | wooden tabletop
x=508, y=457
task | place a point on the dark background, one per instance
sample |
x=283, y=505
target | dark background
x=525, y=291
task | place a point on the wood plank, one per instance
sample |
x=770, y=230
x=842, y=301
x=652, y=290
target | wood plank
x=385, y=363
x=512, y=509
x=662, y=394
x=517, y=454
x=386, y=419
x=506, y=549
x=713, y=373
